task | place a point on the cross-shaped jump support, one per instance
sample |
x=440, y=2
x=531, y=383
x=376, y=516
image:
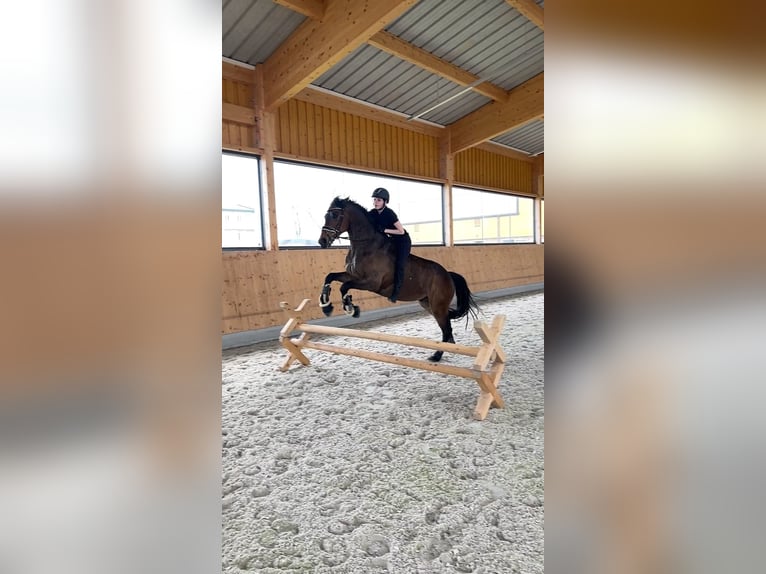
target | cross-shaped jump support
x=490, y=352
x=284, y=335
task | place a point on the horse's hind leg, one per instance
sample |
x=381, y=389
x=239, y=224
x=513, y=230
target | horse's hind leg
x=446, y=327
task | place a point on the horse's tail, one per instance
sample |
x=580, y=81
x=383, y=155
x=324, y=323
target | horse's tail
x=465, y=302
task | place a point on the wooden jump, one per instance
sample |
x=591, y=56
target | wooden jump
x=488, y=364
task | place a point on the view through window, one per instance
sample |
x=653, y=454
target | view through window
x=485, y=217
x=241, y=222
x=305, y=192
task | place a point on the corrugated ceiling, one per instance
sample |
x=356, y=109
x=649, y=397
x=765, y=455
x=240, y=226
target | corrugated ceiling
x=529, y=138
x=253, y=29
x=487, y=38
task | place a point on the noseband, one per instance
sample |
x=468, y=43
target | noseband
x=334, y=231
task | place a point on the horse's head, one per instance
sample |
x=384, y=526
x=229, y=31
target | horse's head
x=335, y=223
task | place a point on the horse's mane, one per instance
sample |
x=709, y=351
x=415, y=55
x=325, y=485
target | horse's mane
x=344, y=202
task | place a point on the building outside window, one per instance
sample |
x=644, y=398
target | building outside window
x=488, y=217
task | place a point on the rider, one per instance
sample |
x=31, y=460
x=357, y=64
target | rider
x=386, y=221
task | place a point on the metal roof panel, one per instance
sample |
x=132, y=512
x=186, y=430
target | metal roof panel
x=487, y=38
x=379, y=78
x=253, y=29
x=529, y=138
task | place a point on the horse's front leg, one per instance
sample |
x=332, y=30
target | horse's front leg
x=324, y=296
x=348, y=306
x=362, y=284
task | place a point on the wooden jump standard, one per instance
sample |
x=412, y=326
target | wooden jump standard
x=487, y=366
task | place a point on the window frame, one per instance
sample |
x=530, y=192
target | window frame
x=456, y=243
x=262, y=220
x=438, y=183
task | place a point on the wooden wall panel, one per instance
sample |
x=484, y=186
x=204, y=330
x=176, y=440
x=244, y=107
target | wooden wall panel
x=313, y=132
x=235, y=134
x=256, y=281
x=477, y=167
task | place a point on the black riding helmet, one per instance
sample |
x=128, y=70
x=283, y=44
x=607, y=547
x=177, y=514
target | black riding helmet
x=382, y=193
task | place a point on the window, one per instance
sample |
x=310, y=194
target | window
x=305, y=192
x=485, y=217
x=542, y=221
x=241, y=222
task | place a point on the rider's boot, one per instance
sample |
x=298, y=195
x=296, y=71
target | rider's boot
x=397, y=287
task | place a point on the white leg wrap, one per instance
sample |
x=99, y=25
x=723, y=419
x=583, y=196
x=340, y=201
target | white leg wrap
x=325, y=287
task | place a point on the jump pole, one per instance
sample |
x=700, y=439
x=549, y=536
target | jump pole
x=488, y=365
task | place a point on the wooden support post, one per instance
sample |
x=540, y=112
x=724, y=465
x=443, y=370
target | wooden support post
x=266, y=139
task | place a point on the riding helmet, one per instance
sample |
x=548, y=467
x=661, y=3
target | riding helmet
x=382, y=193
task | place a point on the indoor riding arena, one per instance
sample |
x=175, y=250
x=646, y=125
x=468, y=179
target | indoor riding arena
x=344, y=448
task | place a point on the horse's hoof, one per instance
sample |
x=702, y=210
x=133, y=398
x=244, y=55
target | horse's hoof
x=356, y=312
x=436, y=357
x=327, y=309
x=349, y=310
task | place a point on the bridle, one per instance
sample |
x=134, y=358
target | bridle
x=335, y=231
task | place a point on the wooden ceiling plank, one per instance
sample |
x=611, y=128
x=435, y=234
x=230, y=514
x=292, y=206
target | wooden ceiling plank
x=409, y=52
x=313, y=9
x=317, y=45
x=238, y=114
x=524, y=104
x=237, y=73
x=530, y=10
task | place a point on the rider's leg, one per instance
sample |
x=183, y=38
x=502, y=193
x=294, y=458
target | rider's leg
x=402, y=252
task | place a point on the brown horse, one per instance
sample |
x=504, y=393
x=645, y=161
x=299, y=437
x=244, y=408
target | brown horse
x=370, y=267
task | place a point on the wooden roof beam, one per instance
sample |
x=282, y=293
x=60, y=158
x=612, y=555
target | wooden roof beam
x=242, y=73
x=411, y=53
x=317, y=45
x=524, y=104
x=530, y=10
x=313, y=9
